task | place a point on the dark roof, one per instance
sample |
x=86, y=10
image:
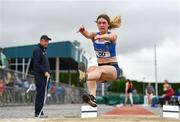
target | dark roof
x=63, y=50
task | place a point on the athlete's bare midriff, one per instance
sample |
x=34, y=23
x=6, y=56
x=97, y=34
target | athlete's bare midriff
x=106, y=60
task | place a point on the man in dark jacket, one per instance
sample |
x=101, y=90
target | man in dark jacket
x=41, y=72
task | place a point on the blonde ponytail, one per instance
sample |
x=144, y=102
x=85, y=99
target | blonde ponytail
x=115, y=23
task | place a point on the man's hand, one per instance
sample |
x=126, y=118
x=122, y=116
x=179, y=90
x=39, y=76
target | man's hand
x=47, y=75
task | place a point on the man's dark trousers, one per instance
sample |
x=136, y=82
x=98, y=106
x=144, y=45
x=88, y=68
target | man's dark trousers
x=40, y=94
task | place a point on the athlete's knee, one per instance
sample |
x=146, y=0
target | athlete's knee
x=91, y=68
x=90, y=81
x=102, y=69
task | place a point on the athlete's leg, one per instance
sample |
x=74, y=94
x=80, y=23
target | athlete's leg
x=102, y=73
x=90, y=98
x=151, y=96
x=109, y=73
x=126, y=98
x=94, y=74
x=148, y=99
x=131, y=98
x=92, y=85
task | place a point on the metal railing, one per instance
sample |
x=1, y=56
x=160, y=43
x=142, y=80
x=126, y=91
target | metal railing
x=18, y=89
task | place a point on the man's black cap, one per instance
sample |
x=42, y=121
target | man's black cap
x=45, y=37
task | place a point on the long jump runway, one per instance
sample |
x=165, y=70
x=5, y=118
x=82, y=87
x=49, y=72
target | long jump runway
x=99, y=119
x=71, y=113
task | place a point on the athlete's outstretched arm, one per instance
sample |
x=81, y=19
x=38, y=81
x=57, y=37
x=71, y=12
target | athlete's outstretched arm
x=112, y=37
x=88, y=35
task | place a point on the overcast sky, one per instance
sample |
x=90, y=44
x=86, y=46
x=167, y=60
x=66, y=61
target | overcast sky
x=144, y=23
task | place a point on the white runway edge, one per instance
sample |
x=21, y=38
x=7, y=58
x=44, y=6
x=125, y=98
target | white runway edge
x=171, y=111
x=88, y=112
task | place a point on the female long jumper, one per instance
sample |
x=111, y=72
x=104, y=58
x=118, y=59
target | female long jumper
x=104, y=43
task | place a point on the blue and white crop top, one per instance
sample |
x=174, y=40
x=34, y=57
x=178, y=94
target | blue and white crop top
x=104, y=48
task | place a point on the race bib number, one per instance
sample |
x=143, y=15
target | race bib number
x=102, y=54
